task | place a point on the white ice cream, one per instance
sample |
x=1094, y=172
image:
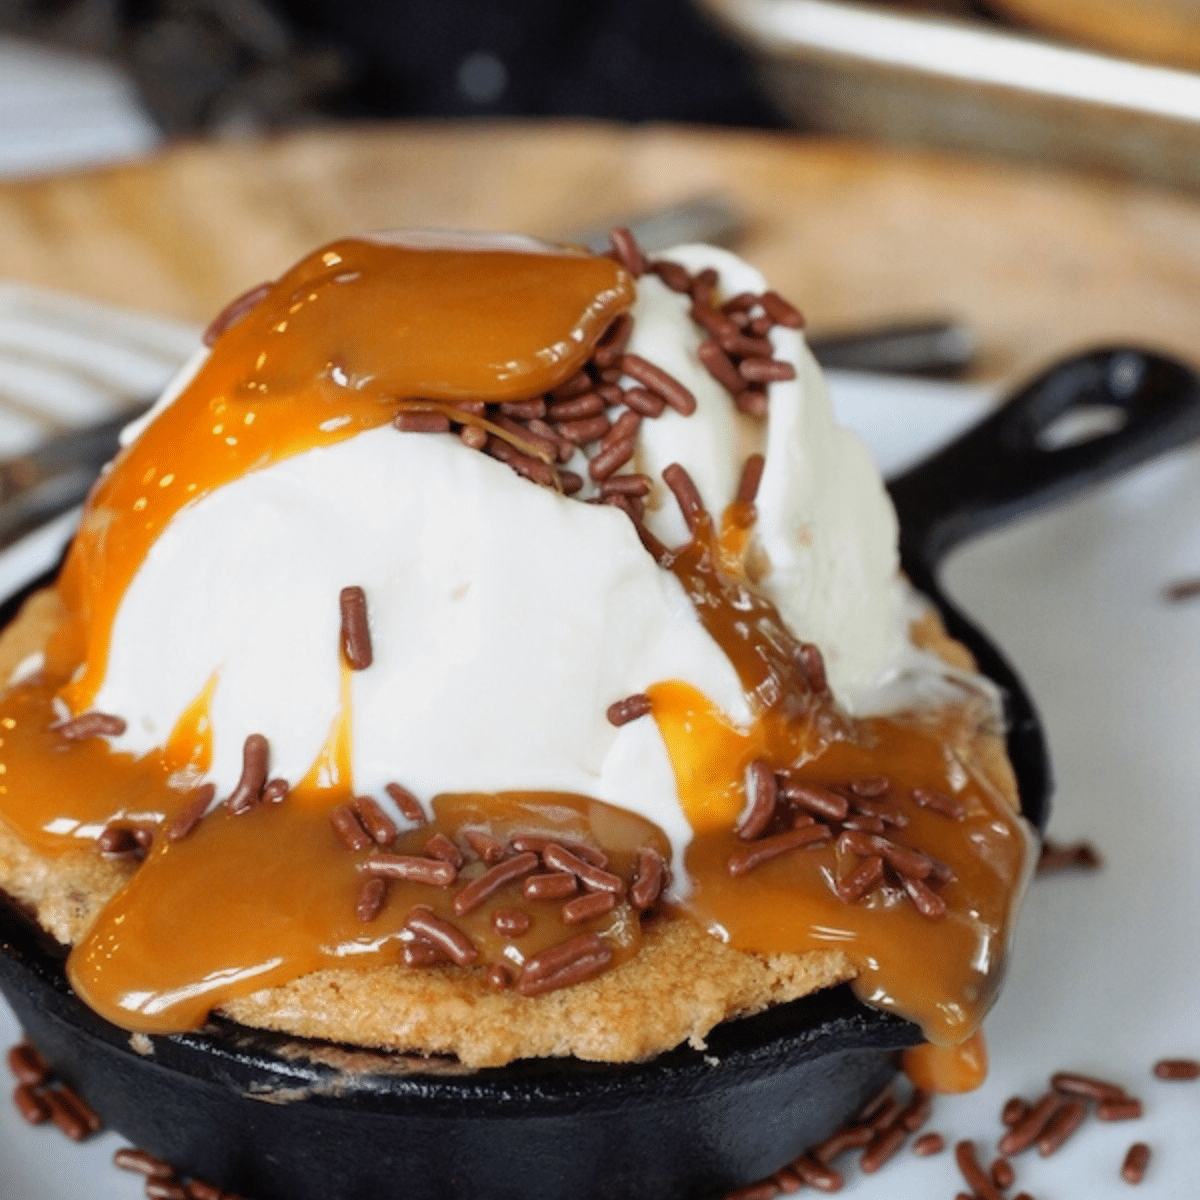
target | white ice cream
x=504, y=618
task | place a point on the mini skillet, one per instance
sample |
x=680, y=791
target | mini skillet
x=276, y=1118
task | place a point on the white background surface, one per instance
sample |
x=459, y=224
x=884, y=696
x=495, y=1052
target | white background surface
x=1106, y=975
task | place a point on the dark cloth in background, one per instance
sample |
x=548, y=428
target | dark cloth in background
x=245, y=65
x=624, y=59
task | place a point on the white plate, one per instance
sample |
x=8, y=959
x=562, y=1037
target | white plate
x=1106, y=973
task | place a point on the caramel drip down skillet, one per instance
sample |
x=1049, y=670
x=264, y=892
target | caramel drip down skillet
x=277, y=1118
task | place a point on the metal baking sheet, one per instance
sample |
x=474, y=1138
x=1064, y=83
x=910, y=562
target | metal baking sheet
x=955, y=79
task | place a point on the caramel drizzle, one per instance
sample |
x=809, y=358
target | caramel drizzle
x=331, y=350
x=255, y=871
x=941, y=973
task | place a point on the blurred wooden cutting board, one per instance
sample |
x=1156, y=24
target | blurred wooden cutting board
x=1040, y=263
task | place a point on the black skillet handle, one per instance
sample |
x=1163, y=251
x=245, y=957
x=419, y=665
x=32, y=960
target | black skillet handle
x=998, y=471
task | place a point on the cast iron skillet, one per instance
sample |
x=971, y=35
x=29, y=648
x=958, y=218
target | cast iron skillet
x=225, y=1104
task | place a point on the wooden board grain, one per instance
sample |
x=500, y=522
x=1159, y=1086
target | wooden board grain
x=1040, y=263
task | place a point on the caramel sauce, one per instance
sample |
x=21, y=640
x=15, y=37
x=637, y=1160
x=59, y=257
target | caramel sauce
x=347, y=332
x=948, y=1069
x=250, y=901
x=253, y=901
x=941, y=973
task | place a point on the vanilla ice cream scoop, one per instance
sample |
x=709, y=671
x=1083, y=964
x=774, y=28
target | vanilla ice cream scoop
x=505, y=618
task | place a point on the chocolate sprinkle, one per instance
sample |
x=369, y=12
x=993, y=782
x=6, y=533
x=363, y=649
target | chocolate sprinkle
x=928, y=902
x=761, y=795
x=754, y=369
x=372, y=896
x=275, y=791
x=474, y=437
x=1124, y=1108
x=559, y=858
x=375, y=821
x=449, y=939
x=118, y=841
x=781, y=311
x=817, y=1174
x=882, y=1147
x=411, y=869
x=523, y=410
x=939, y=802
x=537, y=843
x=764, y=1189
x=91, y=724
x=421, y=422
x=752, y=471
x=612, y=345
x=649, y=880
x=813, y=666
x=409, y=806
x=627, y=485
x=142, y=1162
x=627, y=252
x=1183, y=589
x=590, y=404
x=487, y=847
x=587, y=907
x=233, y=312
x=557, y=885
x=977, y=1180
x=659, y=382
x=621, y=712
x=1068, y=1083
x=440, y=846
x=587, y=429
x=499, y=977
x=27, y=1065
x=188, y=817
x=165, y=1189
x=822, y=801
x=1137, y=1159
x=611, y=459
x=645, y=402
x=1177, y=1069
x=863, y=880
x=1060, y=1127
x=255, y=760
x=356, y=631
x=349, y=828
x=686, y=494
x=720, y=366
x=678, y=278
x=564, y=965
x=762, y=851
x=65, y=1114
x=420, y=953
x=492, y=880
x=1059, y=857
x=30, y=1105
x=1031, y=1126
